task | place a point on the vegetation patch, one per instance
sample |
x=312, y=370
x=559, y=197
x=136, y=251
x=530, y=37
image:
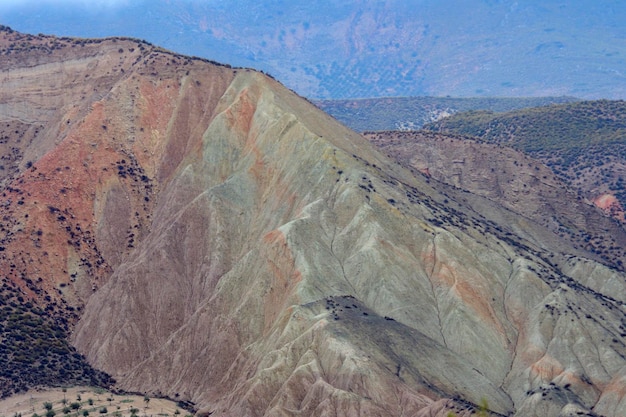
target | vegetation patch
x=34, y=348
x=411, y=113
x=563, y=127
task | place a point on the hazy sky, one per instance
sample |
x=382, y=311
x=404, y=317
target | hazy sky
x=363, y=48
x=96, y=4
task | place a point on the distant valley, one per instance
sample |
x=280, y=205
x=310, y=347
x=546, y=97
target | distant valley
x=354, y=49
x=412, y=113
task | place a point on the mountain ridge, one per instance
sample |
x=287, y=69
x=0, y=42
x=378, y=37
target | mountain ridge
x=259, y=258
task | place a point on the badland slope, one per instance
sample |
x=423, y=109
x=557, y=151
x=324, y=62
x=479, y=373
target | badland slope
x=209, y=236
x=512, y=179
x=584, y=143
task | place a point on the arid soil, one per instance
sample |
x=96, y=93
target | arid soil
x=92, y=400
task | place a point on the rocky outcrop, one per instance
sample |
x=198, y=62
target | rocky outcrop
x=610, y=205
x=261, y=259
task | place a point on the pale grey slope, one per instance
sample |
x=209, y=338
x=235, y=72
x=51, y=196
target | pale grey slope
x=278, y=213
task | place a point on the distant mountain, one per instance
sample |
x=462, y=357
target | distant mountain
x=411, y=113
x=584, y=143
x=352, y=49
x=201, y=232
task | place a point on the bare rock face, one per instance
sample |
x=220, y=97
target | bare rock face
x=260, y=259
x=610, y=205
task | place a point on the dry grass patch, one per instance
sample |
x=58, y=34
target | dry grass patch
x=95, y=402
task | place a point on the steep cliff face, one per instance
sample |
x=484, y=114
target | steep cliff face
x=260, y=259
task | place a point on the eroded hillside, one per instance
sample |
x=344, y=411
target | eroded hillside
x=584, y=143
x=513, y=180
x=219, y=240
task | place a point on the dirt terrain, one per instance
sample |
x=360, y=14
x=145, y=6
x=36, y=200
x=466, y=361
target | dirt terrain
x=91, y=400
